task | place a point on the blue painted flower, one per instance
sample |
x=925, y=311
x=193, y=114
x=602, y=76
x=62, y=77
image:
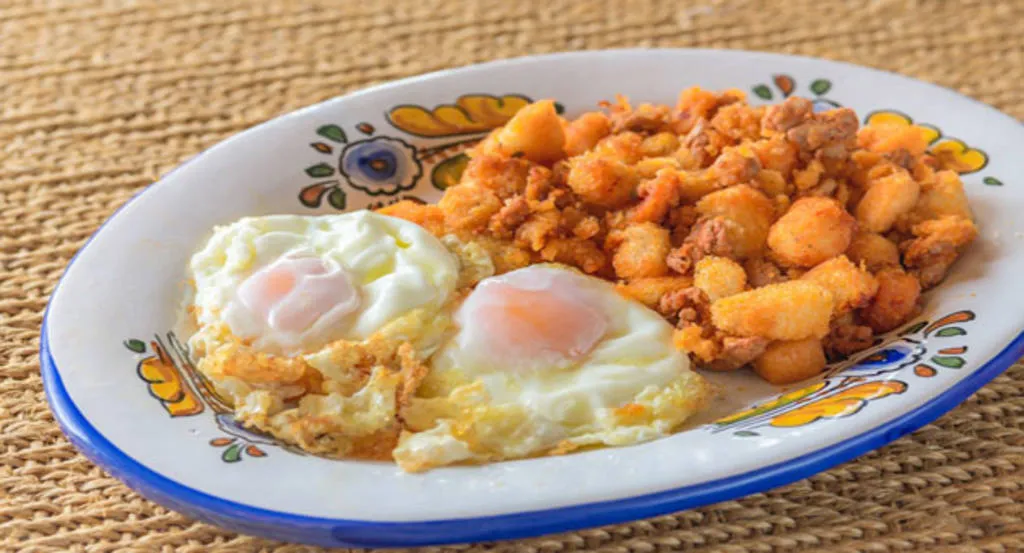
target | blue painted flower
x=381, y=166
x=891, y=358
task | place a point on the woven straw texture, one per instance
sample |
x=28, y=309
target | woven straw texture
x=98, y=99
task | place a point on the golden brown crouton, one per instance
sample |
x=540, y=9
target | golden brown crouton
x=584, y=132
x=468, y=208
x=789, y=362
x=887, y=198
x=601, y=181
x=719, y=277
x=813, y=230
x=873, y=250
x=535, y=132
x=640, y=251
x=792, y=310
x=750, y=212
x=851, y=286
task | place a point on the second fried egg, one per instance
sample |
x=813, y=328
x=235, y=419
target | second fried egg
x=546, y=360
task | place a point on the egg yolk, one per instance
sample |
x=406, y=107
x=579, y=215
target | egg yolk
x=292, y=294
x=543, y=321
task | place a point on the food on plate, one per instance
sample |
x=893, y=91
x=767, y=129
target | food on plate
x=546, y=360
x=555, y=298
x=362, y=335
x=755, y=230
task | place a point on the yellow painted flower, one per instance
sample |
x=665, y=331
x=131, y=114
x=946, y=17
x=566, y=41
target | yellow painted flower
x=955, y=155
x=841, y=404
x=167, y=384
x=952, y=153
x=470, y=114
x=930, y=133
x=784, y=399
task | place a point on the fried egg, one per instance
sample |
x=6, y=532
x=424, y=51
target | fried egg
x=287, y=284
x=545, y=360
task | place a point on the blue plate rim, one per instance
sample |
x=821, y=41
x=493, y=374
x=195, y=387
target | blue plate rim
x=375, y=534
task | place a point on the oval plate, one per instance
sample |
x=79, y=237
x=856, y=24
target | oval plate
x=123, y=388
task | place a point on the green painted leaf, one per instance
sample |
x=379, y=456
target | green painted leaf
x=992, y=181
x=821, y=86
x=745, y=433
x=336, y=197
x=763, y=92
x=951, y=331
x=559, y=108
x=332, y=132
x=138, y=346
x=232, y=454
x=949, y=362
x=320, y=170
x=915, y=328
x=449, y=172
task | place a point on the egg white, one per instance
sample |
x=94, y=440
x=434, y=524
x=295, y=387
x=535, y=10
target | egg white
x=633, y=386
x=395, y=266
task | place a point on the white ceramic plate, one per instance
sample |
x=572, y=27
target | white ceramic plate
x=121, y=384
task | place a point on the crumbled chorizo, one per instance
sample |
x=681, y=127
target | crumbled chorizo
x=736, y=352
x=711, y=236
x=697, y=144
x=514, y=213
x=846, y=337
x=761, y=272
x=831, y=132
x=732, y=167
x=535, y=232
x=707, y=237
x=687, y=306
x=788, y=114
x=645, y=118
x=657, y=197
x=937, y=245
x=895, y=302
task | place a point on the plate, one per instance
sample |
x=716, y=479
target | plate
x=124, y=389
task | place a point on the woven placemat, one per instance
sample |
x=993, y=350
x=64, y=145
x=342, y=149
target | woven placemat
x=98, y=99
